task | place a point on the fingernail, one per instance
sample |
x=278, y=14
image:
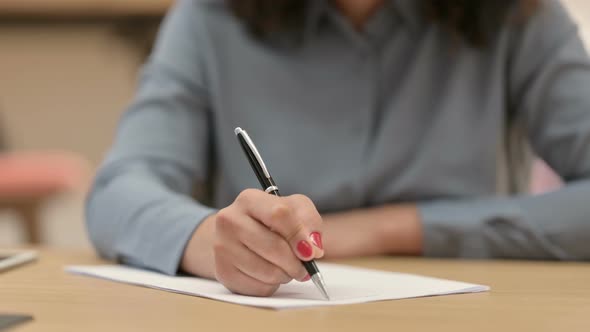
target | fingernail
x=307, y=277
x=304, y=249
x=316, y=238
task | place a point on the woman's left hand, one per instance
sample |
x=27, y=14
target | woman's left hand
x=389, y=229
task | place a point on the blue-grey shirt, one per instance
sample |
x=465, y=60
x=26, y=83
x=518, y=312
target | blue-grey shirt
x=398, y=113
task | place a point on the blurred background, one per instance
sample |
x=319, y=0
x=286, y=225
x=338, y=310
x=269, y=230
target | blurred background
x=67, y=70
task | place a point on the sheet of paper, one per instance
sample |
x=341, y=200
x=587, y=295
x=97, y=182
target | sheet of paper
x=346, y=285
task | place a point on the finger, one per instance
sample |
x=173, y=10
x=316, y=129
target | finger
x=232, y=225
x=238, y=282
x=255, y=266
x=306, y=211
x=278, y=215
x=272, y=247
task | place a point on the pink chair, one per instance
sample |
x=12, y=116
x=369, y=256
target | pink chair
x=29, y=179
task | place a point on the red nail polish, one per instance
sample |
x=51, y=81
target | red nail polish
x=316, y=238
x=307, y=277
x=304, y=249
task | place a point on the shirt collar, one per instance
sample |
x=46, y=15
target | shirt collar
x=320, y=10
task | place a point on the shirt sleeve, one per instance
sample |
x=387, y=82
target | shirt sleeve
x=139, y=210
x=549, y=87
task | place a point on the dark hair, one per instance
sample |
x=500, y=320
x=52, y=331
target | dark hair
x=472, y=21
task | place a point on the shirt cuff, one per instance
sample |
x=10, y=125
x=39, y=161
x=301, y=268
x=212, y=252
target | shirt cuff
x=161, y=247
x=458, y=228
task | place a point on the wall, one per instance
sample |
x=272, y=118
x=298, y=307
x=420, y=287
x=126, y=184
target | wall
x=63, y=86
x=580, y=9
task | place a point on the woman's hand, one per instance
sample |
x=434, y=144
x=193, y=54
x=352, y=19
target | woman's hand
x=256, y=244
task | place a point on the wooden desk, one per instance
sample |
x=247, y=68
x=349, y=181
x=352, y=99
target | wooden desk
x=524, y=297
x=83, y=8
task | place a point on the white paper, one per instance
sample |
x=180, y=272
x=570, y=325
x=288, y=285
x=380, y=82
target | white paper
x=346, y=285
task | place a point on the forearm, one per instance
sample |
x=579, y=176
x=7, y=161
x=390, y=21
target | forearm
x=389, y=229
x=550, y=226
x=135, y=218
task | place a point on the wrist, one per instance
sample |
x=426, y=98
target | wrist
x=198, y=258
x=401, y=230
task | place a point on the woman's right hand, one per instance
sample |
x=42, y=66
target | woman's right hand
x=256, y=244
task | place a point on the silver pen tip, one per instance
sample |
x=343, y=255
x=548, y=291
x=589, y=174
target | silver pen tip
x=238, y=130
x=318, y=280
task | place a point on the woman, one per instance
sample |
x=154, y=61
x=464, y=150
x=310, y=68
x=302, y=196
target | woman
x=386, y=118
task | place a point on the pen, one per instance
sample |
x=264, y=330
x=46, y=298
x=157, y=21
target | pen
x=270, y=187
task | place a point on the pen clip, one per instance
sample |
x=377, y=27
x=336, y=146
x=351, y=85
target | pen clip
x=240, y=131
